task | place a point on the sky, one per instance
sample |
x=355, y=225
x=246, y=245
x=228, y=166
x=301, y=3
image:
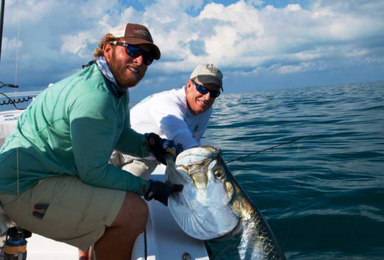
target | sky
x=258, y=44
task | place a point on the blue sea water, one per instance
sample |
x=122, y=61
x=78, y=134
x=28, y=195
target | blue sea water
x=323, y=196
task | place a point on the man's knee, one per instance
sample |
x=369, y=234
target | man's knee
x=133, y=212
x=136, y=205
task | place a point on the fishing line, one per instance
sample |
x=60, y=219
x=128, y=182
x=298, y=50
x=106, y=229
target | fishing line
x=269, y=148
x=292, y=195
x=17, y=43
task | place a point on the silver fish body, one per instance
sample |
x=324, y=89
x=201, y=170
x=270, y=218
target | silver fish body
x=214, y=207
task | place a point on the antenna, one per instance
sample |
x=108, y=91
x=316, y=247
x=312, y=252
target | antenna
x=1, y=24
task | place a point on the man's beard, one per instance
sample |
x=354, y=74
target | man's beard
x=119, y=71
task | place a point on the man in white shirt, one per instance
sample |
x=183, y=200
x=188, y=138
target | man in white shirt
x=180, y=115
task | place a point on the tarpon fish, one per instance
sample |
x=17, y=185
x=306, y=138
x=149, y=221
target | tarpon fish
x=213, y=207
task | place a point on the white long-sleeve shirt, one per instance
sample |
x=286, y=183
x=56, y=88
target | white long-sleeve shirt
x=167, y=115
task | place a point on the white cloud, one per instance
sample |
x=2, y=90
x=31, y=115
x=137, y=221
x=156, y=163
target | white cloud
x=375, y=60
x=226, y=32
x=259, y=36
x=356, y=53
x=302, y=67
x=77, y=44
x=10, y=46
x=294, y=7
x=27, y=11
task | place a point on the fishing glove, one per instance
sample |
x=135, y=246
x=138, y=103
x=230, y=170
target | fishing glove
x=160, y=191
x=160, y=147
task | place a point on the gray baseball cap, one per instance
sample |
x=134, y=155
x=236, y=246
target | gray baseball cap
x=208, y=73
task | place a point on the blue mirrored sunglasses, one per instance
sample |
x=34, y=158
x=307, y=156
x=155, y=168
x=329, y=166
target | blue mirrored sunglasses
x=203, y=90
x=135, y=51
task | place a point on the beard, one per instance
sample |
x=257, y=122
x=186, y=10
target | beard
x=119, y=71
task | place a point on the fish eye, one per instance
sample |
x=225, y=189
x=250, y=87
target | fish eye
x=219, y=174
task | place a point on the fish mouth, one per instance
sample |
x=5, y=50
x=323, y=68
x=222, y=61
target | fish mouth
x=202, y=209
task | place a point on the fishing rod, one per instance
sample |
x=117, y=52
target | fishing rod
x=269, y=148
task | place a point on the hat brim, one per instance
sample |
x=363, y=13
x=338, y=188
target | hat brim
x=154, y=50
x=210, y=79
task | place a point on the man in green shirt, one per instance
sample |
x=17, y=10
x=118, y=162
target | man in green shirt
x=55, y=179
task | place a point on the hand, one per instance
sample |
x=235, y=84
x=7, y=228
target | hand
x=160, y=191
x=160, y=147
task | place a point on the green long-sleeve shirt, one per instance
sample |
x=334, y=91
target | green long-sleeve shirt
x=72, y=128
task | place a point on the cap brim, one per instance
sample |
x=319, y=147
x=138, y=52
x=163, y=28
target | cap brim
x=154, y=50
x=210, y=79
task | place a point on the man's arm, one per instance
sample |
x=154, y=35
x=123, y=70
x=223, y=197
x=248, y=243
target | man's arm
x=169, y=115
x=93, y=133
x=131, y=142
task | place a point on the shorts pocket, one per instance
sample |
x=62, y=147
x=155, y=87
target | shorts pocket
x=61, y=218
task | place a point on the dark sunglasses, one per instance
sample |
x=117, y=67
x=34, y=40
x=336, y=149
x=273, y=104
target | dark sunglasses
x=135, y=52
x=203, y=90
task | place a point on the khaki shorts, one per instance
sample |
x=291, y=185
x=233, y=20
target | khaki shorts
x=77, y=214
x=137, y=166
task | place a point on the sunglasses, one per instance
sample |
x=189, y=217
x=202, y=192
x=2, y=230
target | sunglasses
x=135, y=52
x=203, y=90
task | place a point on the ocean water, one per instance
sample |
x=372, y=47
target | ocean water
x=323, y=196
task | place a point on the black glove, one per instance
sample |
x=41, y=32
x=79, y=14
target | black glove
x=160, y=147
x=160, y=191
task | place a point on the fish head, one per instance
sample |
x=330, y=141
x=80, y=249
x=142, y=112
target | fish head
x=208, y=185
x=203, y=208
